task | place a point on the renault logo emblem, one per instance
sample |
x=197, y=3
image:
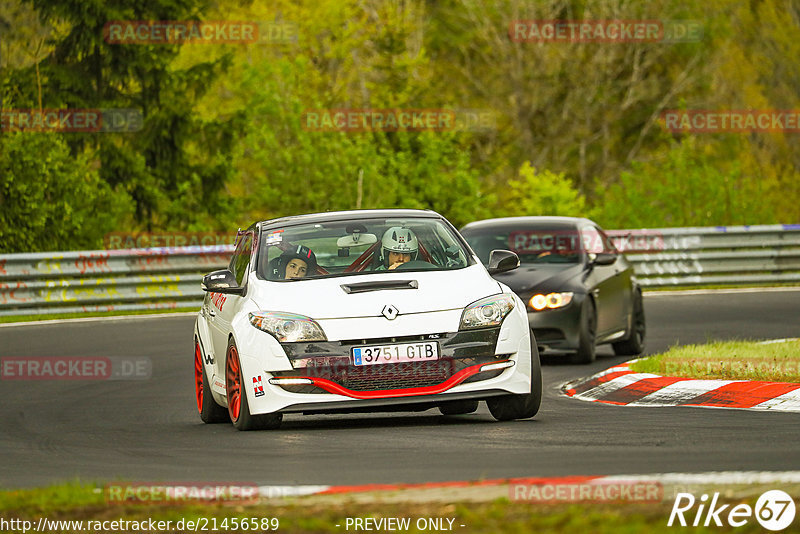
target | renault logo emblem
x=389, y=311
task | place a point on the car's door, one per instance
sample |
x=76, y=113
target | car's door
x=223, y=307
x=607, y=282
x=621, y=285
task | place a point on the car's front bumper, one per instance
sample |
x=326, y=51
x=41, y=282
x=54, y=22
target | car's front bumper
x=404, y=404
x=558, y=329
x=339, y=386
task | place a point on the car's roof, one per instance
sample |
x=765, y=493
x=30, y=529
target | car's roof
x=521, y=221
x=329, y=216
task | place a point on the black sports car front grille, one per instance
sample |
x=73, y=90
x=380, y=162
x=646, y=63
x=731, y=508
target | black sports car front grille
x=331, y=361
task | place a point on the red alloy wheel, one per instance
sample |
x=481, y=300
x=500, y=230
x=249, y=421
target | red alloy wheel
x=198, y=376
x=233, y=384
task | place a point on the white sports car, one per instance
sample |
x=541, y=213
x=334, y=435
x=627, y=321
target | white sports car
x=355, y=311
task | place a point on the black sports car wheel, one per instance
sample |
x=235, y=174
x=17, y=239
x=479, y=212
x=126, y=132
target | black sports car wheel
x=635, y=343
x=586, y=341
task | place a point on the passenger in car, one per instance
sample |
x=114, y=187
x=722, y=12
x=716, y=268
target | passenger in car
x=297, y=262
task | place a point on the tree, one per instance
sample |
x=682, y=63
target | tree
x=686, y=187
x=52, y=200
x=175, y=167
x=286, y=168
x=542, y=193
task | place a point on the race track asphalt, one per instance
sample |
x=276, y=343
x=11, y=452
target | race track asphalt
x=148, y=430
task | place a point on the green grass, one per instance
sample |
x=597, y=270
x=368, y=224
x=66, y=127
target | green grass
x=76, y=501
x=55, y=316
x=730, y=360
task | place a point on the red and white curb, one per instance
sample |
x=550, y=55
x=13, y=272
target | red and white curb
x=486, y=490
x=622, y=386
x=481, y=485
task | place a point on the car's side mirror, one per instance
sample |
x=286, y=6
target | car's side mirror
x=603, y=258
x=221, y=281
x=501, y=261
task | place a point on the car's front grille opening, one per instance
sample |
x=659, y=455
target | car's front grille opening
x=333, y=361
x=397, y=376
x=390, y=376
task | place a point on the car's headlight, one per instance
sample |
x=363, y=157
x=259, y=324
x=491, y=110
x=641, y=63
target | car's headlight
x=287, y=327
x=489, y=311
x=550, y=301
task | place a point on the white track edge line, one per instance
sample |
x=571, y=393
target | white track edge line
x=92, y=319
x=679, y=292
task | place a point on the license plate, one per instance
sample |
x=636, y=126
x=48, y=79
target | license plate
x=403, y=352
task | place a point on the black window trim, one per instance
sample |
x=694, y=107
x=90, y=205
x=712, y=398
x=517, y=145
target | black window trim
x=262, y=228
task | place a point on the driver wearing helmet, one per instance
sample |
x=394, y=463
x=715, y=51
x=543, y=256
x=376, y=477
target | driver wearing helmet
x=297, y=262
x=398, y=246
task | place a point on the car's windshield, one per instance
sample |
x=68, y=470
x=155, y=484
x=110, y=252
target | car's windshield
x=359, y=246
x=533, y=244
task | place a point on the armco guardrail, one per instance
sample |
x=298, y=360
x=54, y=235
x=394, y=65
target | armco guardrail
x=118, y=280
x=106, y=280
x=713, y=255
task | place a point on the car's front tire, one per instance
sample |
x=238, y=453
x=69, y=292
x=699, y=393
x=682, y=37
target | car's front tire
x=238, y=408
x=210, y=411
x=526, y=405
x=634, y=345
x=587, y=351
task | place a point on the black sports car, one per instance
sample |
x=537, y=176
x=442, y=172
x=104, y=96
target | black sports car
x=579, y=289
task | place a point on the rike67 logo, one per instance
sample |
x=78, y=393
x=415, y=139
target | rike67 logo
x=774, y=510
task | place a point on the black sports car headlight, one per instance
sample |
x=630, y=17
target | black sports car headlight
x=489, y=311
x=287, y=327
x=551, y=301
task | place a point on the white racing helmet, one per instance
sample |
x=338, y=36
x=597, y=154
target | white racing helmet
x=398, y=239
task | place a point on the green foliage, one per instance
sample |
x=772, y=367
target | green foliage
x=52, y=200
x=431, y=171
x=175, y=167
x=222, y=141
x=542, y=193
x=286, y=168
x=689, y=186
